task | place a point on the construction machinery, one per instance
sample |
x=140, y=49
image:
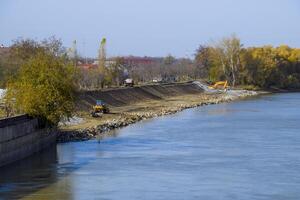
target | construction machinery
x=99, y=109
x=219, y=85
x=129, y=82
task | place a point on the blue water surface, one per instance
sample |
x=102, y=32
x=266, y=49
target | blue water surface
x=248, y=150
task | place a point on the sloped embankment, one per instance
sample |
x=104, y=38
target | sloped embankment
x=126, y=96
x=131, y=105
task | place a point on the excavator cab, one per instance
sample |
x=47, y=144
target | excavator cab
x=99, y=109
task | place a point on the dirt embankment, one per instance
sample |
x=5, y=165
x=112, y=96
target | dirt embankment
x=127, y=96
x=130, y=105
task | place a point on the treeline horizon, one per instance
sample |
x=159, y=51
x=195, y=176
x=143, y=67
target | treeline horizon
x=42, y=79
x=227, y=59
x=262, y=67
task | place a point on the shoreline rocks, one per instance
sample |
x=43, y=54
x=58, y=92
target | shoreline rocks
x=129, y=118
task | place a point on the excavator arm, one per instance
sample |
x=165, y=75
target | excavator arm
x=223, y=84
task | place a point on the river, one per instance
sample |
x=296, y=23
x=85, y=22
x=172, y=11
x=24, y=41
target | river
x=248, y=149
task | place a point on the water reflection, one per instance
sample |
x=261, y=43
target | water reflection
x=113, y=133
x=227, y=111
x=28, y=175
x=44, y=175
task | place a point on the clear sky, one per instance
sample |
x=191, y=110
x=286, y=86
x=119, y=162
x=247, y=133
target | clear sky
x=151, y=27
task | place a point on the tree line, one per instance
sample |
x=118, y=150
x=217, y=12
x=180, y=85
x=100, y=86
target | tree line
x=261, y=67
x=168, y=69
x=42, y=78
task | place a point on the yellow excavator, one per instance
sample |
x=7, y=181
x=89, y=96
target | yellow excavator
x=219, y=85
x=99, y=109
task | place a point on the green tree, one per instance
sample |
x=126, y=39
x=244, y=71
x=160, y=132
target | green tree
x=102, y=55
x=44, y=87
x=203, y=61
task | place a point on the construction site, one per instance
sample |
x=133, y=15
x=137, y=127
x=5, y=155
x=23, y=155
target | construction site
x=129, y=105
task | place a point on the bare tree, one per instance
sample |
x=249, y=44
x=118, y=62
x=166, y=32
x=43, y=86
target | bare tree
x=228, y=51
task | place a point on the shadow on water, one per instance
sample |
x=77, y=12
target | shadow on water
x=28, y=175
x=25, y=177
x=32, y=174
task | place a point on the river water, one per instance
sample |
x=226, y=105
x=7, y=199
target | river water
x=241, y=150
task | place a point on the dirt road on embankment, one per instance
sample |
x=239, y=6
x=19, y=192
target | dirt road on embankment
x=129, y=105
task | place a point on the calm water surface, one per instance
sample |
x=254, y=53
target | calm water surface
x=242, y=150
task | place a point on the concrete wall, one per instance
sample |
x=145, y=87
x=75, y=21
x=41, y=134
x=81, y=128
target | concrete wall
x=21, y=137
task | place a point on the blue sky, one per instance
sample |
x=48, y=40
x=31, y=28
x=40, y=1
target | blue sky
x=151, y=27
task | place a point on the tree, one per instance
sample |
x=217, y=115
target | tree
x=169, y=60
x=263, y=67
x=7, y=70
x=44, y=86
x=102, y=71
x=89, y=79
x=24, y=49
x=73, y=54
x=10, y=62
x=116, y=71
x=228, y=52
x=102, y=54
x=203, y=61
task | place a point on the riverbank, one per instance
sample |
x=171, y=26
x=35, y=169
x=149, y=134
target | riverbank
x=150, y=104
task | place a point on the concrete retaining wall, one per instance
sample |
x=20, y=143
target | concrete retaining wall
x=22, y=136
